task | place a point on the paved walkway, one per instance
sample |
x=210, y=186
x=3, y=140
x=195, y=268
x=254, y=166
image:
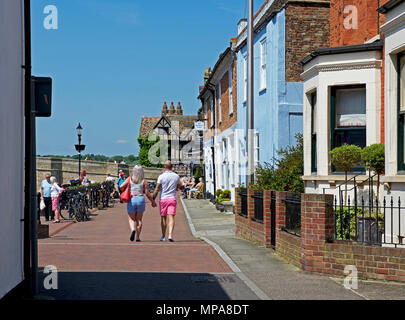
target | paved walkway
x=276, y=278
x=96, y=260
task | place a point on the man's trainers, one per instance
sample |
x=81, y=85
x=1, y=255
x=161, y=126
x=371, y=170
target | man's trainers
x=162, y=239
x=171, y=239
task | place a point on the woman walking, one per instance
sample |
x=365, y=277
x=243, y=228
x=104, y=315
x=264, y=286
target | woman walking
x=136, y=207
x=55, y=194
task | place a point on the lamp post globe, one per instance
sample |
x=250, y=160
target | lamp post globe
x=79, y=130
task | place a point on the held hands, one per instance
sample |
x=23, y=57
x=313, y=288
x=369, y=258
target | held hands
x=154, y=205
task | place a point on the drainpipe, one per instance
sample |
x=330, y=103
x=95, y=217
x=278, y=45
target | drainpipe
x=28, y=276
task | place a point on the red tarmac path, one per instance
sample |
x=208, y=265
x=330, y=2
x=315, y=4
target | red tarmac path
x=102, y=244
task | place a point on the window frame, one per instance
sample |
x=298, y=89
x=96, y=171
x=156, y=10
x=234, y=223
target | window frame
x=245, y=82
x=401, y=118
x=313, y=101
x=333, y=120
x=212, y=113
x=219, y=103
x=263, y=65
x=230, y=75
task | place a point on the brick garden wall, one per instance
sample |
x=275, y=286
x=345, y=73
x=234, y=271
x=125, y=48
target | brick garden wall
x=246, y=227
x=316, y=250
x=289, y=248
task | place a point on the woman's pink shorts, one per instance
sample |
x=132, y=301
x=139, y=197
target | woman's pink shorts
x=55, y=203
x=167, y=206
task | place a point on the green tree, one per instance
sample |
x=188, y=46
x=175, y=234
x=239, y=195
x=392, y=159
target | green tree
x=144, y=147
x=197, y=174
x=285, y=173
x=345, y=158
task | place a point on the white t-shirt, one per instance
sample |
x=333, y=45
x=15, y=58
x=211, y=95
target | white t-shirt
x=169, y=181
x=55, y=190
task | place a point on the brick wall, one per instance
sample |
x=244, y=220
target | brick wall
x=289, y=248
x=372, y=262
x=316, y=251
x=367, y=28
x=367, y=22
x=320, y=256
x=307, y=29
x=245, y=227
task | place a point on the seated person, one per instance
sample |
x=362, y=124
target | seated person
x=195, y=188
x=187, y=186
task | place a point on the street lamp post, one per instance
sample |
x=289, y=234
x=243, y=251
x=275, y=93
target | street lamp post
x=79, y=147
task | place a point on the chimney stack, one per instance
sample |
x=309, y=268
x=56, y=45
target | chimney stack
x=241, y=25
x=207, y=74
x=171, y=109
x=179, y=111
x=164, y=109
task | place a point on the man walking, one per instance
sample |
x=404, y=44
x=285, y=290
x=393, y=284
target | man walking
x=168, y=183
x=46, y=186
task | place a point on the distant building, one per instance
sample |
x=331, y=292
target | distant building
x=218, y=97
x=177, y=132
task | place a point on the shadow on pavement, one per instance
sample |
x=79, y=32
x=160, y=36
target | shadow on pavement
x=138, y=286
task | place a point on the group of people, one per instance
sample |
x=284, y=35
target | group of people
x=191, y=186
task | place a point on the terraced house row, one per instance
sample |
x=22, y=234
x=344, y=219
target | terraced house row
x=285, y=32
x=331, y=70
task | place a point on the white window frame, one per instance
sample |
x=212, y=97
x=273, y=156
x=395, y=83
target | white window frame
x=257, y=148
x=212, y=113
x=219, y=103
x=230, y=92
x=263, y=64
x=245, y=84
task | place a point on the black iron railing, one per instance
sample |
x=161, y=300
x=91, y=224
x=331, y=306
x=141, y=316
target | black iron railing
x=370, y=222
x=293, y=213
x=258, y=205
x=243, y=200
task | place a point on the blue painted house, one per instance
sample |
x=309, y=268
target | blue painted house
x=284, y=33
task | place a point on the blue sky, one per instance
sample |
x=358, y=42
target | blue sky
x=114, y=61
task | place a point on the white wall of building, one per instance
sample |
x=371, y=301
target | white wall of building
x=11, y=144
x=394, y=188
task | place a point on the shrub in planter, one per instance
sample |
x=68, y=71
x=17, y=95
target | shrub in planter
x=227, y=194
x=221, y=198
x=373, y=158
x=348, y=219
x=345, y=158
x=219, y=192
